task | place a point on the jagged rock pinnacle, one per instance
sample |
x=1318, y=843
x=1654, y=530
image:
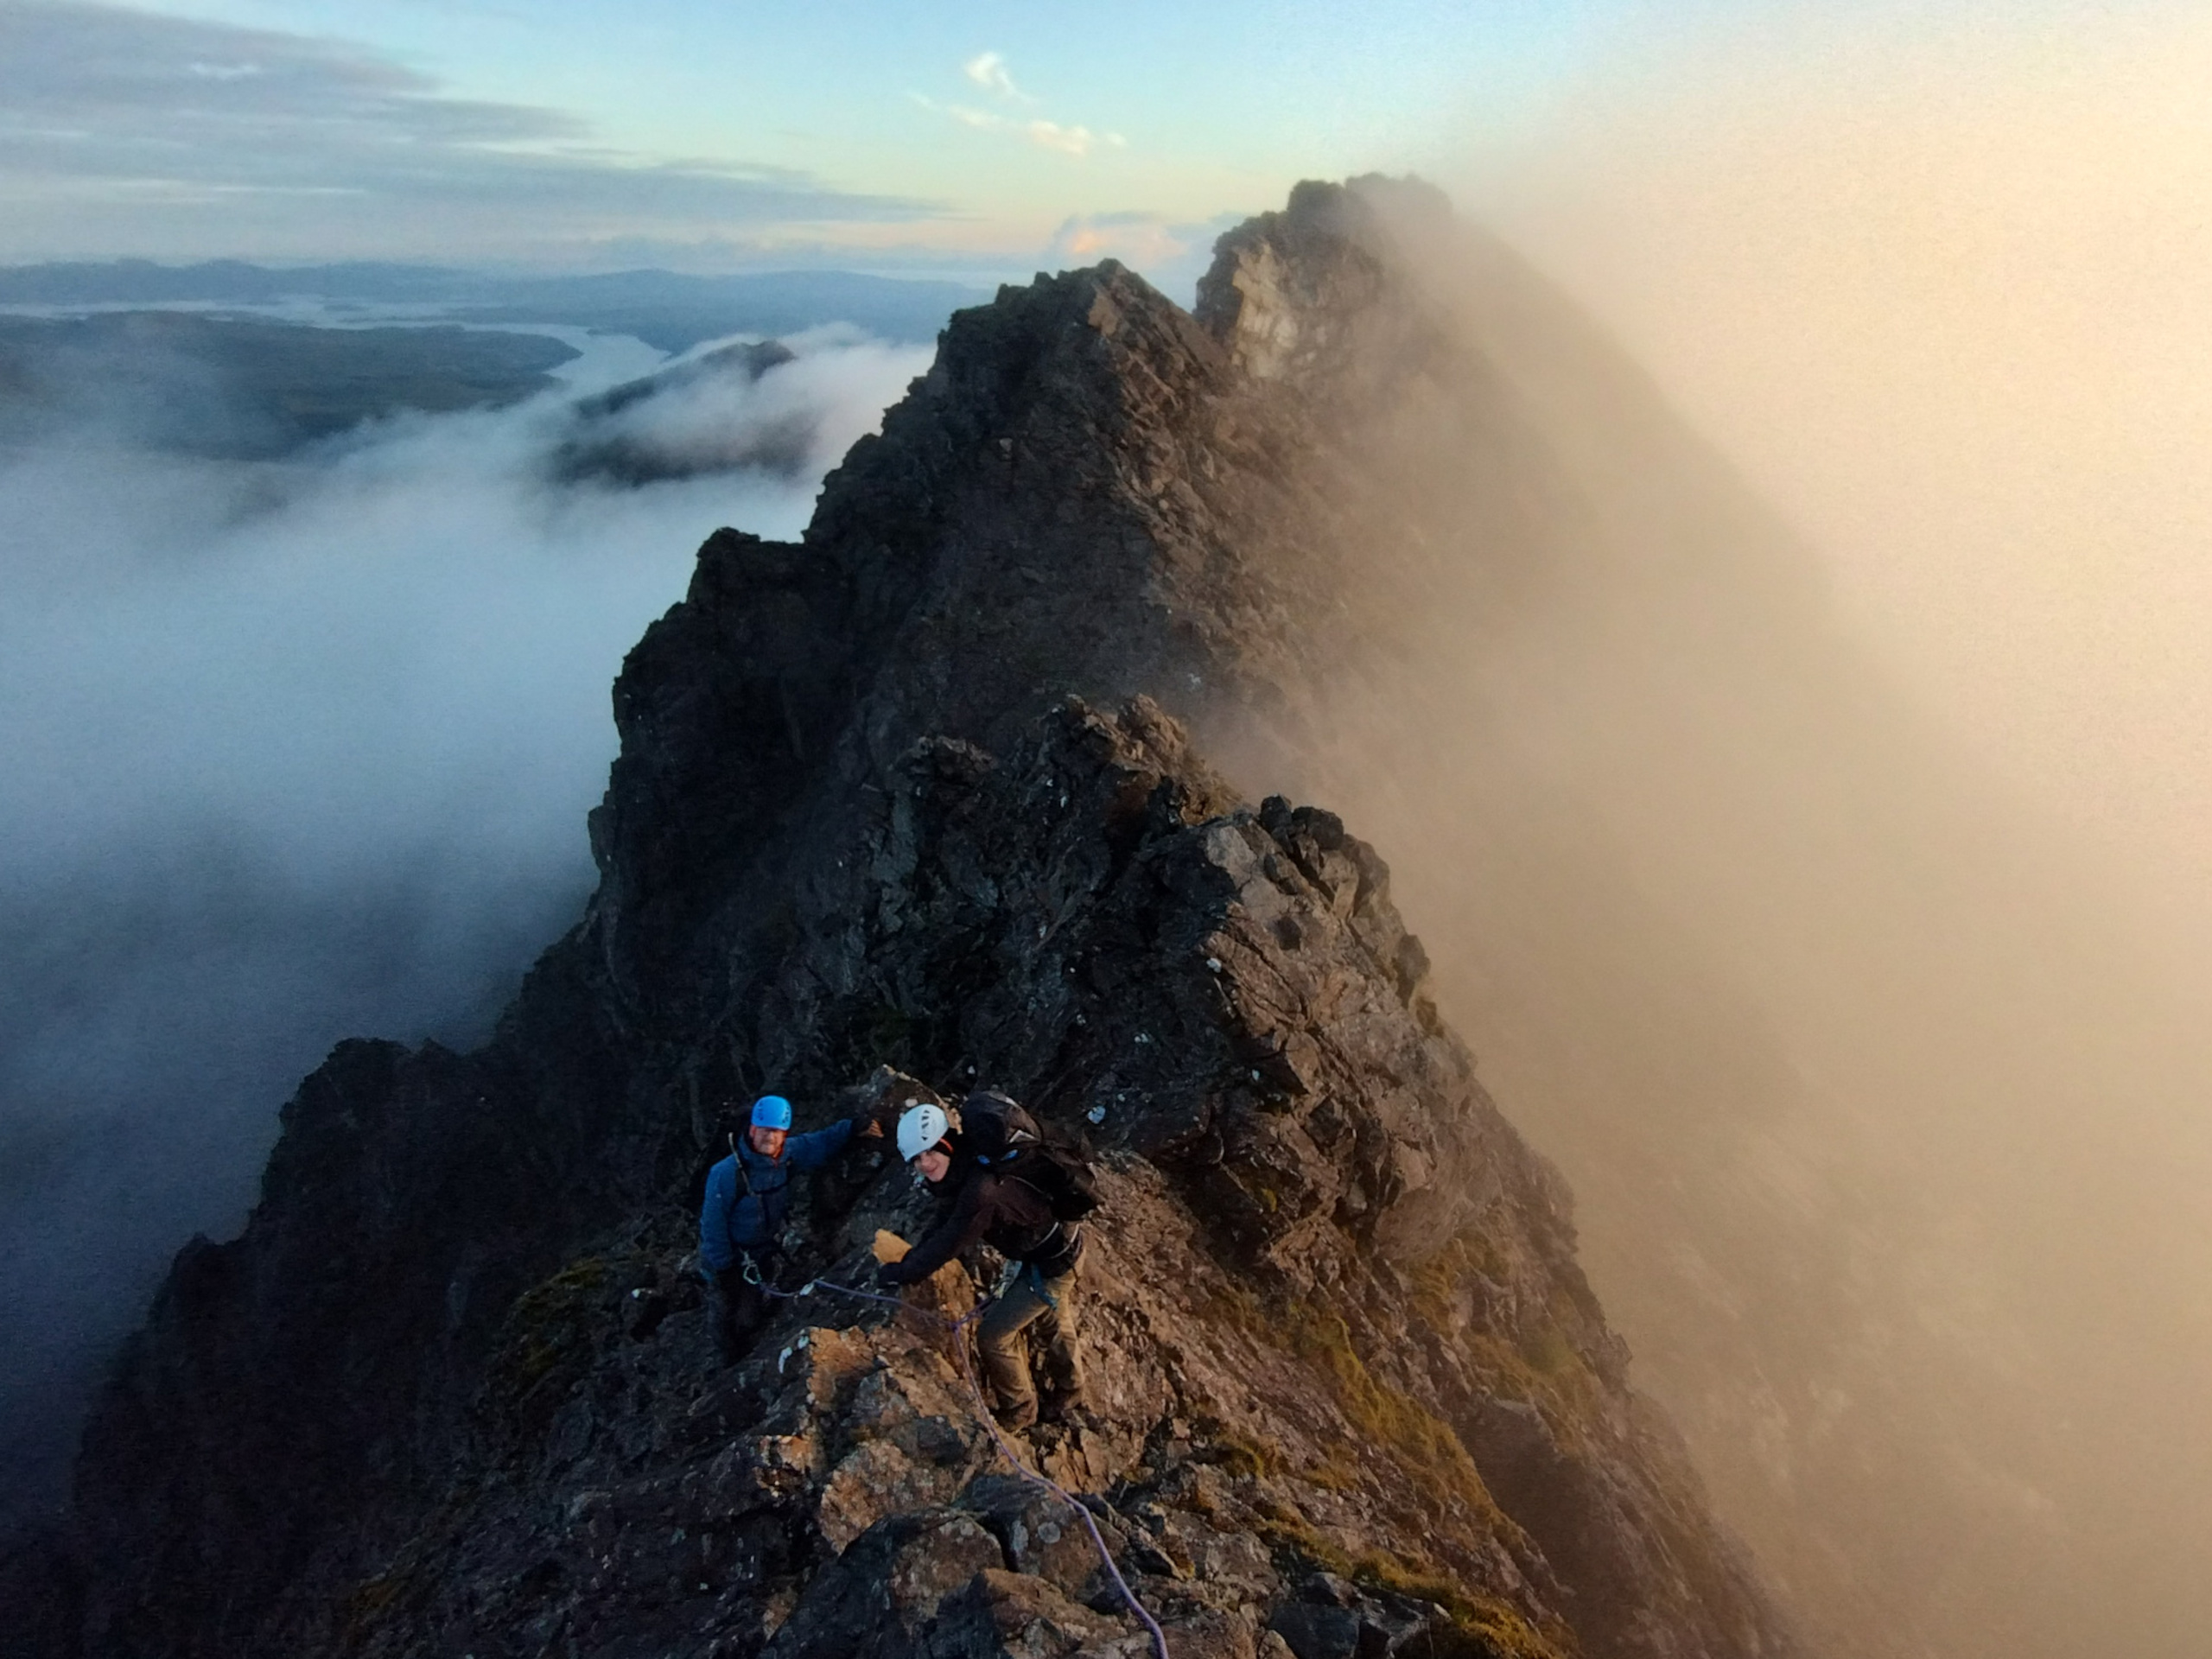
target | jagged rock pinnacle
x=922, y=793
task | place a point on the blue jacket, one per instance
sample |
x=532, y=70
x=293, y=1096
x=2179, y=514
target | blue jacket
x=749, y=1216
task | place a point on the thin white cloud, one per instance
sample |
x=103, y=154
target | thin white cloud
x=1051, y=135
x=989, y=70
x=1059, y=136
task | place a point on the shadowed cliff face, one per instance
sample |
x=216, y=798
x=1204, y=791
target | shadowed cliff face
x=1353, y=1392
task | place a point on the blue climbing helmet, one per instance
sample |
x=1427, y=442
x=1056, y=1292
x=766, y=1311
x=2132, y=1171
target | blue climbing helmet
x=771, y=1112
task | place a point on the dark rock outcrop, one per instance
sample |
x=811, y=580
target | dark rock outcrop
x=908, y=795
x=654, y=428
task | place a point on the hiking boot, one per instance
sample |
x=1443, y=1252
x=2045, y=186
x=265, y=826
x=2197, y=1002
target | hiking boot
x=1069, y=1409
x=1015, y=1417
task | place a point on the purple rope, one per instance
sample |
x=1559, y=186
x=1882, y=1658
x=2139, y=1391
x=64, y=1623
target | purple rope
x=1044, y=1482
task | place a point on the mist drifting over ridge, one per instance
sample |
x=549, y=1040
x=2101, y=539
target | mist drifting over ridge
x=1848, y=947
x=299, y=750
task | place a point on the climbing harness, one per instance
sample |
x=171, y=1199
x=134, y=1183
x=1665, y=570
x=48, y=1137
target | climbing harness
x=1043, y=1482
x=744, y=1191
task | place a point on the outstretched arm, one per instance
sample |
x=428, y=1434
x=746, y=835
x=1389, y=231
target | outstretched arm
x=969, y=1220
x=814, y=1150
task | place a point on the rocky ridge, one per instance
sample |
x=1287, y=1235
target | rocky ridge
x=909, y=796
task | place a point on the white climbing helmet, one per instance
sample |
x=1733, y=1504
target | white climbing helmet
x=921, y=1127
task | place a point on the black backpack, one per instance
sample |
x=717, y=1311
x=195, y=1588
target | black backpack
x=1002, y=1137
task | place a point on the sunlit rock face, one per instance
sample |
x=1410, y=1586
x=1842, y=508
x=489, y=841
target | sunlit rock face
x=917, y=805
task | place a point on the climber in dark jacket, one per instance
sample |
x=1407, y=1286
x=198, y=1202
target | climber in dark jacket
x=742, y=1219
x=1014, y=1218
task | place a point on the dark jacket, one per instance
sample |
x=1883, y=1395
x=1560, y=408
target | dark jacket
x=748, y=1215
x=1003, y=1211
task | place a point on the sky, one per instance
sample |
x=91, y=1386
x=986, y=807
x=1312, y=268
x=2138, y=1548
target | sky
x=707, y=135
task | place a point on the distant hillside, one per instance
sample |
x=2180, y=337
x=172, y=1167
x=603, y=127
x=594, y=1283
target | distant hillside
x=665, y=309
x=243, y=388
x=219, y=282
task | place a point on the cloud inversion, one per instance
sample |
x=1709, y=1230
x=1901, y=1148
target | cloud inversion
x=296, y=752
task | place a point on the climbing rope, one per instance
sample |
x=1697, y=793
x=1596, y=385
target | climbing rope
x=1043, y=1482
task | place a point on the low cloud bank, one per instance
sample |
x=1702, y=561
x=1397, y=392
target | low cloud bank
x=297, y=751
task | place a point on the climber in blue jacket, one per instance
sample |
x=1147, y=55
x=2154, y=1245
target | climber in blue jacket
x=741, y=1220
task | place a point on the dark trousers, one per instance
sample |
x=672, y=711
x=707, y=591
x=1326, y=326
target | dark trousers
x=740, y=1305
